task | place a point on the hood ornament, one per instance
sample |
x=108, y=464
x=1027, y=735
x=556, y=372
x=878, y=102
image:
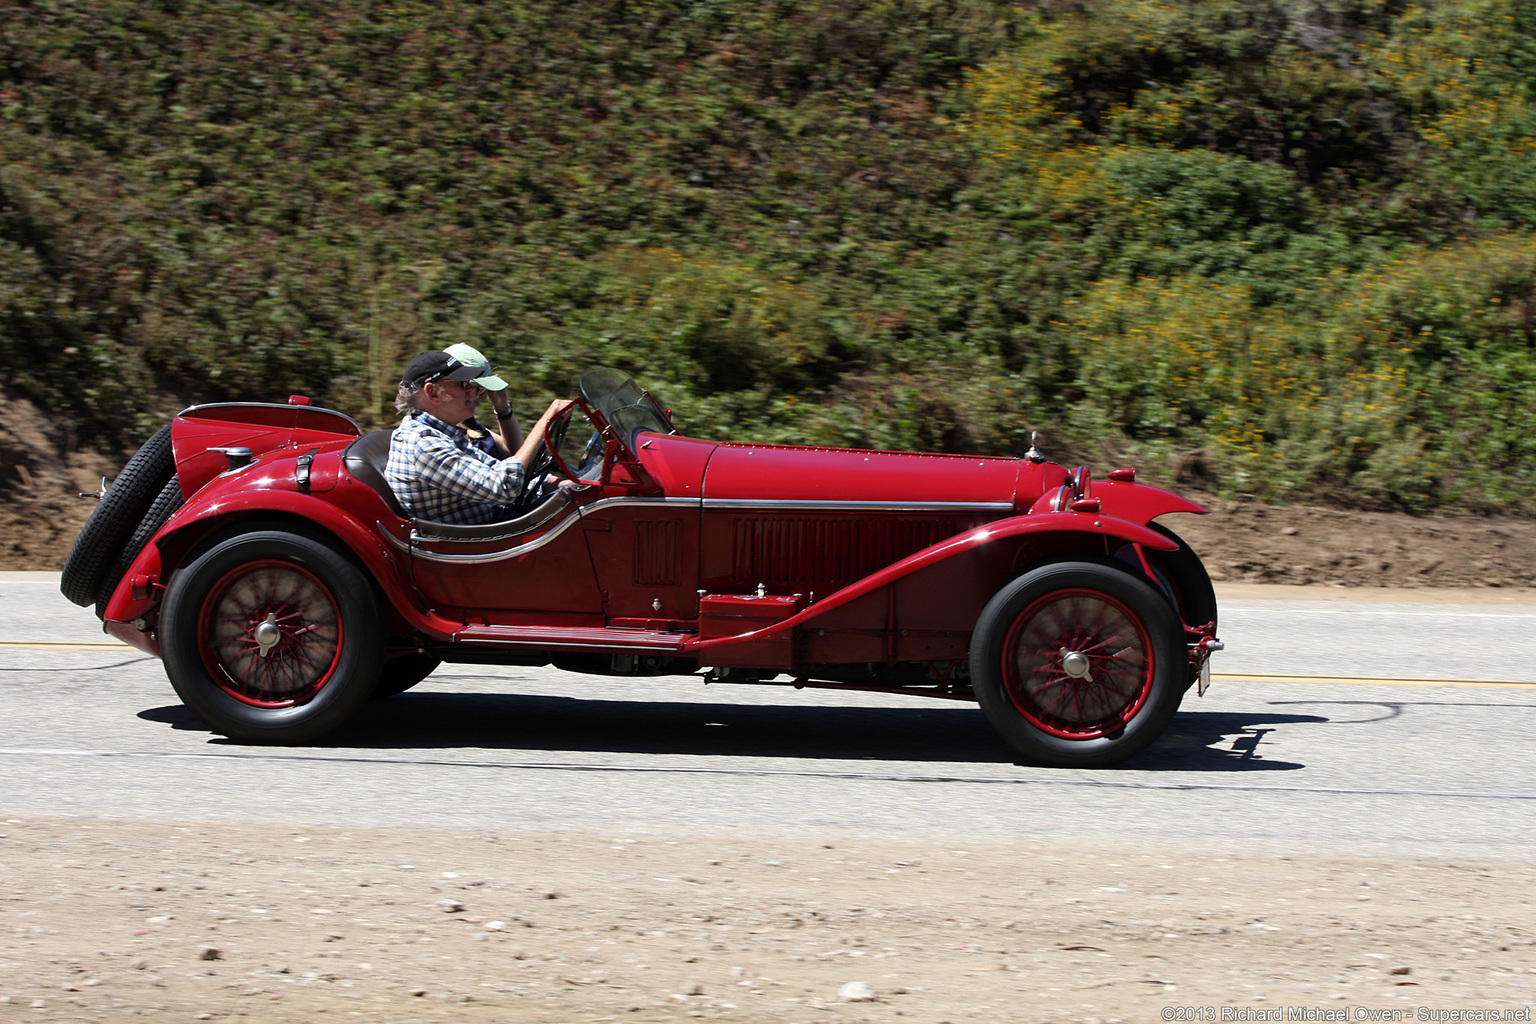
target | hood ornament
x=1034, y=454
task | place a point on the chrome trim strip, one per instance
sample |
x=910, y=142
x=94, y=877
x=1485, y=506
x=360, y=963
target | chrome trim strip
x=738, y=504
x=489, y=556
x=785, y=504
x=424, y=535
x=389, y=536
x=575, y=516
x=603, y=502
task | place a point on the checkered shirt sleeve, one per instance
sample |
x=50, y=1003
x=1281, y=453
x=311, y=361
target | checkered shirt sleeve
x=441, y=476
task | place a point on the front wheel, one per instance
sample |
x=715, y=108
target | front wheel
x=272, y=637
x=1078, y=664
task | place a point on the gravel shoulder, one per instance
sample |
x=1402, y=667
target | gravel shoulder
x=106, y=920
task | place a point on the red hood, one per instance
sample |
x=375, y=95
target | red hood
x=743, y=472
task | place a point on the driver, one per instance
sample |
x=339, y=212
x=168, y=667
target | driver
x=435, y=470
x=508, y=436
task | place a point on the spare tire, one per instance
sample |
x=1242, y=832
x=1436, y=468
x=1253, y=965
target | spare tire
x=114, y=519
x=161, y=509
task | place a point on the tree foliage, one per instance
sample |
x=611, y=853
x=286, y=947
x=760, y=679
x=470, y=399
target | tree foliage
x=1286, y=240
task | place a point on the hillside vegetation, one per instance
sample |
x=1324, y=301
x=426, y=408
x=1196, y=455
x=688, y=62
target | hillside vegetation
x=1278, y=249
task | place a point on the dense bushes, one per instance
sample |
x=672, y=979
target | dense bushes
x=1301, y=233
x=1287, y=243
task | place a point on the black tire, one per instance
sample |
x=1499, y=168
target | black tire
x=1183, y=576
x=161, y=509
x=1039, y=643
x=276, y=684
x=1193, y=594
x=115, y=517
x=402, y=672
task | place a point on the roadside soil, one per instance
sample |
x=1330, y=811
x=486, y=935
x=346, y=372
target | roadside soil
x=45, y=464
x=112, y=920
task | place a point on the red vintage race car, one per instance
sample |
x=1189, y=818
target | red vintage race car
x=258, y=550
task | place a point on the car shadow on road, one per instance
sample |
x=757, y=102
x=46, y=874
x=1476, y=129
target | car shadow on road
x=1193, y=742
x=1226, y=741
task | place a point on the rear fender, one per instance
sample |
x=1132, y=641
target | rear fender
x=143, y=584
x=263, y=427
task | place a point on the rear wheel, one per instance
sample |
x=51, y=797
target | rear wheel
x=272, y=637
x=1078, y=664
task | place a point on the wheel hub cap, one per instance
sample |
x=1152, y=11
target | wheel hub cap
x=1076, y=665
x=267, y=634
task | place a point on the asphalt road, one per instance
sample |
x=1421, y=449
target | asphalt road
x=1352, y=728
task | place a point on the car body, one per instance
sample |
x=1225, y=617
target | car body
x=283, y=584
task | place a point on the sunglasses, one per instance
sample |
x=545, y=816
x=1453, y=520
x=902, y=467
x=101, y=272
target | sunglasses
x=469, y=386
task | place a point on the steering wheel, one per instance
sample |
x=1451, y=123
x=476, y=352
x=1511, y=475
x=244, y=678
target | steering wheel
x=593, y=449
x=543, y=458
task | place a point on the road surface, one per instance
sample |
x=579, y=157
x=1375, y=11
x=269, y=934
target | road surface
x=1352, y=726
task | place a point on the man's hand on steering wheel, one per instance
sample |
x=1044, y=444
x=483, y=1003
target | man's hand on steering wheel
x=536, y=456
x=543, y=459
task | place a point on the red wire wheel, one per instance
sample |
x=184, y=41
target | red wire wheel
x=271, y=632
x=1078, y=663
x=272, y=636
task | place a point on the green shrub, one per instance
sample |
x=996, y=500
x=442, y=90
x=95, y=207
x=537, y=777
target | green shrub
x=1289, y=238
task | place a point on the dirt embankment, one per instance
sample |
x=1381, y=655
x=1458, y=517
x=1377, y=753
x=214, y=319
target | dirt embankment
x=44, y=465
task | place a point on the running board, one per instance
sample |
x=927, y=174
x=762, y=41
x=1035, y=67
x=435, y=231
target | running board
x=584, y=638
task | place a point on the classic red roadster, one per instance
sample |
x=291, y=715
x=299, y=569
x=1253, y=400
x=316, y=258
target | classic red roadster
x=258, y=550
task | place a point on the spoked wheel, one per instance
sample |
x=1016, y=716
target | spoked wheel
x=272, y=637
x=1078, y=664
x=271, y=632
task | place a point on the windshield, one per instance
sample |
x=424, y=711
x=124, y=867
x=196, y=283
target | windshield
x=621, y=402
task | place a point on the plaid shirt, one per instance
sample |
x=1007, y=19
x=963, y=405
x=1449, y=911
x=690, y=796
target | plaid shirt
x=440, y=475
x=480, y=436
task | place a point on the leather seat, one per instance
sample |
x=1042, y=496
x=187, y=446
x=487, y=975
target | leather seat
x=366, y=458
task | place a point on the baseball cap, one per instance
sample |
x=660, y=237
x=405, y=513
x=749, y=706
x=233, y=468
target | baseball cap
x=430, y=367
x=471, y=356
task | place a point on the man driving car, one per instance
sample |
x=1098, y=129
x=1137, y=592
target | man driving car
x=506, y=437
x=436, y=471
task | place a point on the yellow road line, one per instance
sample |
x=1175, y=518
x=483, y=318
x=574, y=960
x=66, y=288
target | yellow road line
x=51, y=645
x=1491, y=684
x=1216, y=677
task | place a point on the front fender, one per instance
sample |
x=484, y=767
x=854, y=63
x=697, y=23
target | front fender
x=1039, y=523
x=1139, y=503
